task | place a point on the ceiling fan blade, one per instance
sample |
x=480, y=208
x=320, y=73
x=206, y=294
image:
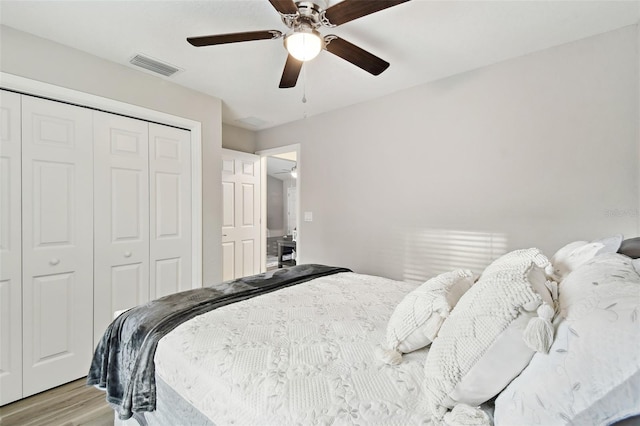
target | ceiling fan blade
x=233, y=38
x=286, y=7
x=348, y=10
x=291, y=72
x=357, y=56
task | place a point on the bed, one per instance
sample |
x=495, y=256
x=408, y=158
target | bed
x=321, y=345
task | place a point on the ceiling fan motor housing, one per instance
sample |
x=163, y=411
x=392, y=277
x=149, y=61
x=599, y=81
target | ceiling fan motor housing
x=309, y=15
x=304, y=24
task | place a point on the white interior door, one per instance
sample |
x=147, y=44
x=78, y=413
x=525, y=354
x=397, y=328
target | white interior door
x=10, y=249
x=57, y=243
x=170, y=211
x=121, y=200
x=241, y=214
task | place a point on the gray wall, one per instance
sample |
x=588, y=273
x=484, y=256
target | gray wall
x=534, y=151
x=238, y=139
x=275, y=211
x=39, y=59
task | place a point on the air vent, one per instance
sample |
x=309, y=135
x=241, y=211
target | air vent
x=154, y=65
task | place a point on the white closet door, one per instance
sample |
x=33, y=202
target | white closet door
x=170, y=193
x=57, y=243
x=241, y=214
x=10, y=250
x=121, y=200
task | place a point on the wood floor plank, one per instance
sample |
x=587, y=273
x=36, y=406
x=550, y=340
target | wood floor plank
x=46, y=399
x=72, y=404
x=47, y=404
x=65, y=413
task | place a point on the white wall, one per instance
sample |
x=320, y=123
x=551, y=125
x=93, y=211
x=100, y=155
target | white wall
x=534, y=151
x=238, y=139
x=39, y=59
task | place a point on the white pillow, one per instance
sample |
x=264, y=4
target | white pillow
x=417, y=318
x=480, y=346
x=576, y=253
x=591, y=375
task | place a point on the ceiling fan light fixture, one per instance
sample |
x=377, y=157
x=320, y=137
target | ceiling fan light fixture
x=304, y=44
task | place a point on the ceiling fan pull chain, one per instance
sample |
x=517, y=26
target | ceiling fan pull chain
x=304, y=93
x=304, y=88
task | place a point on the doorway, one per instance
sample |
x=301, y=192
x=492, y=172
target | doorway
x=280, y=205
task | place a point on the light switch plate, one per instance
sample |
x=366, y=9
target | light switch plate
x=308, y=216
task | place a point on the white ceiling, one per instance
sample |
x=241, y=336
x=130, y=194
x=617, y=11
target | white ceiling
x=423, y=40
x=280, y=168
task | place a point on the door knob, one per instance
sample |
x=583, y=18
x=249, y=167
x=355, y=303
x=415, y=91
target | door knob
x=54, y=261
x=127, y=254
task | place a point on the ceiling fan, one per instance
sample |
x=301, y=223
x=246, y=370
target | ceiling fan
x=293, y=172
x=303, y=41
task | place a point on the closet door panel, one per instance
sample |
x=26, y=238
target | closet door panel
x=170, y=215
x=121, y=169
x=57, y=243
x=10, y=249
x=52, y=332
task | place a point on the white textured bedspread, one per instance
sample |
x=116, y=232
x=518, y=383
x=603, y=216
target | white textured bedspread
x=302, y=355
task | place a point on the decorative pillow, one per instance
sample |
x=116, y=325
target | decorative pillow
x=630, y=247
x=576, y=253
x=481, y=345
x=416, y=320
x=591, y=375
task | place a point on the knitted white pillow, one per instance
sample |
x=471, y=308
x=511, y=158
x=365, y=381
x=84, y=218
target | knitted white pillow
x=417, y=318
x=481, y=346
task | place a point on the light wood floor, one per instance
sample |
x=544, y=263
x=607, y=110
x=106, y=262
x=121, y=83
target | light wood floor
x=73, y=404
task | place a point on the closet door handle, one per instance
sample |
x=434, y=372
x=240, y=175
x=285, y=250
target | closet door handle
x=54, y=261
x=127, y=254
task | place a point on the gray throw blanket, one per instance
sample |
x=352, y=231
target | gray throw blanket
x=123, y=360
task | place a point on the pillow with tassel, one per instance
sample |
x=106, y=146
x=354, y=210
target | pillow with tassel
x=416, y=320
x=491, y=334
